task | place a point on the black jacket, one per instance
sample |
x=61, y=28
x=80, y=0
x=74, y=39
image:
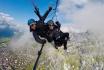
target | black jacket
x=37, y=36
x=40, y=26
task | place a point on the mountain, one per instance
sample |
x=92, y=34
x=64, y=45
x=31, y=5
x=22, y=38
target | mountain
x=6, y=32
x=8, y=28
x=85, y=52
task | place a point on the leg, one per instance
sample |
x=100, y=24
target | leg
x=65, y=45
x=56, y=47
x=55, y=44
x=66, y=35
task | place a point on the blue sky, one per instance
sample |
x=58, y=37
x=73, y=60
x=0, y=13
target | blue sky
x=79, y=14
x=22, y=10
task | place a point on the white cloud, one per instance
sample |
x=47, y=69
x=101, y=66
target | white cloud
x=67, y=8
x=88, y=17
x=91, y=17
x=7, y=21
x=5, y=17
x=18, y=41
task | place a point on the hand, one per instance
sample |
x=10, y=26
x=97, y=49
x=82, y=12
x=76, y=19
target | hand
x=44, y=41
x=36, y=10
x=50, y=8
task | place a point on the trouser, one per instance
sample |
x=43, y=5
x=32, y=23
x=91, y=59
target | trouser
x=62, y=40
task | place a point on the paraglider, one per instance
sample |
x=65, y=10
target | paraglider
x=38, y=28
x=50, y=31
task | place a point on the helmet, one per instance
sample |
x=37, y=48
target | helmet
x=50, y=22
x=31, y=21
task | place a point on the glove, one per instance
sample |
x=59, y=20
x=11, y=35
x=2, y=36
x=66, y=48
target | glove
x=50, y=8
x=44, y=41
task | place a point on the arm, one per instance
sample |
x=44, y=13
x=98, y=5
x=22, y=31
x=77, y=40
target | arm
x=58, y=24
x=41, y=41
x=46, y=14
x=38, y=13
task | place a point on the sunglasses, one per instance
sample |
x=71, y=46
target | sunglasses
x=32, y=24
x=51, y=25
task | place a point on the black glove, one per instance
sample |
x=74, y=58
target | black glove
x=44, y=41
x=50, y=8
x=37, y=9
x=58, y=24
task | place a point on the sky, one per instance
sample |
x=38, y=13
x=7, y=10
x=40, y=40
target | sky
x=75, y=15
x=22, y=10
x=82, y=15
x=14, y=15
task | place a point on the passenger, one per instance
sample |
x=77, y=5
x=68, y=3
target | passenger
x=56, y=35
